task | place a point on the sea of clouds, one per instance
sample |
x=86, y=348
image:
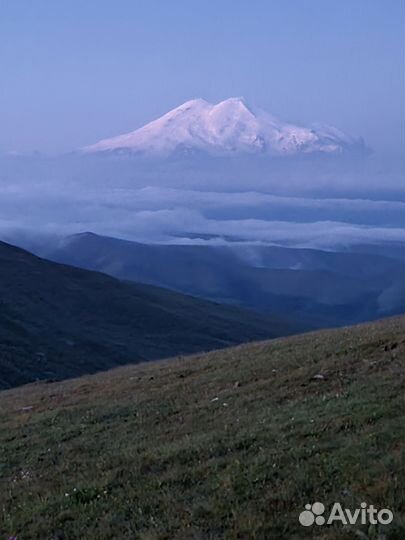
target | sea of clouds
x=178, y=203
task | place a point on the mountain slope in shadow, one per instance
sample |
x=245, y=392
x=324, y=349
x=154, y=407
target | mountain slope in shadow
x=58, y=321
x=319, y=288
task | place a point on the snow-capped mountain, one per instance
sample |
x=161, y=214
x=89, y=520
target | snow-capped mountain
x=226, y=128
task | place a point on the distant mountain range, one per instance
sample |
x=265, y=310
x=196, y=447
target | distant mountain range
x=318, y=288
x=57, y=321
x=230, y=127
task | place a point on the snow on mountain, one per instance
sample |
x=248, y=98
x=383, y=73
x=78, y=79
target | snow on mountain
x=226, y=128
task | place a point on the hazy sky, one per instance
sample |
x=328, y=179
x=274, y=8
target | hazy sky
x=74, y=71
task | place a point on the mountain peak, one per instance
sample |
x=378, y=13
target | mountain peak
x=234, y=104
x=239, y=101
x=196, y=102
x=229, y=127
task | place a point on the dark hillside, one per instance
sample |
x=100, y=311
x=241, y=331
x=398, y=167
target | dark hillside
x=320, y=288
x=58, y=321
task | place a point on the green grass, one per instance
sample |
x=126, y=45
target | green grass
x=228, y=445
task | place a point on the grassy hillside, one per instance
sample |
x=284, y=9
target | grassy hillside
x=228, y=445
x=58, y=321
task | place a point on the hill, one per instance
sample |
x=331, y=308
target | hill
x=58, y=321
x=227, y=445
x=320, y=288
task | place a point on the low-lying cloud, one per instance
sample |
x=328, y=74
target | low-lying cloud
x=158, y=209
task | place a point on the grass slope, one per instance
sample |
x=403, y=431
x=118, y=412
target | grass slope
x=58, y=321
x=228, y=445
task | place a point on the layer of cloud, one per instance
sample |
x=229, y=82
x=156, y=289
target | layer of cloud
x=160, y=212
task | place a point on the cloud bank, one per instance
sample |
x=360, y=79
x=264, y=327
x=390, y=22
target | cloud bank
x=166, y=202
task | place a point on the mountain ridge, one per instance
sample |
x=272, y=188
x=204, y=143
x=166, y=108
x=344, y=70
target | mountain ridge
x=230, y=127
x=58, y=321
x=318, y=287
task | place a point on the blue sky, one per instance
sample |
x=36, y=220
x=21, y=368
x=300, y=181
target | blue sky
x=77, y=71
